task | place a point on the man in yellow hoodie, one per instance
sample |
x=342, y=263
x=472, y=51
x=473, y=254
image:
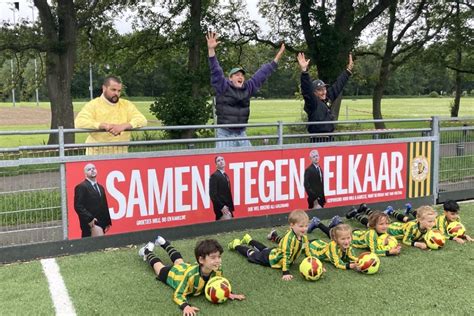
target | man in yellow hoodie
x=112, y=114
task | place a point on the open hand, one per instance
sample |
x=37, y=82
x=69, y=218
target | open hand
x=303, y=62
x=190, y=311
x=350, y=64
x=287, y=277
x=211, y=38
x=280, y=53
x=238, y=297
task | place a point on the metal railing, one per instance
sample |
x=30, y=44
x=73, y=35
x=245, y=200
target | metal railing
x=33, y=177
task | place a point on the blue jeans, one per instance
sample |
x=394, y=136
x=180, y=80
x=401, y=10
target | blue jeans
x=229, y=134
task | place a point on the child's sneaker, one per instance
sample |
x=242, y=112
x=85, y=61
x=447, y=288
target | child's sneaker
x=388, y=210
x=352, y=212
x=150, y=246
x=272, y=235
x=313, y=224
x=336, y=220
x=407, y=208
x=246, y=239
x=234, y=243
x=160, y=241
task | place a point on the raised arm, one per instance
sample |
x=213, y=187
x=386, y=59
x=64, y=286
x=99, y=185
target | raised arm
x=335, y=90
x=218, y=80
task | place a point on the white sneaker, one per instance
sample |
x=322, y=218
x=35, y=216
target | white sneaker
x=150, y=246
x=160, y=241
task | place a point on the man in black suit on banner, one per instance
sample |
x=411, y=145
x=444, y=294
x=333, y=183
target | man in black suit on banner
x=91, y=205
x=314, y=182
x=219, y=191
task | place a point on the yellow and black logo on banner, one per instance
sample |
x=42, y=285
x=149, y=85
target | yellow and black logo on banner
x=419, y=169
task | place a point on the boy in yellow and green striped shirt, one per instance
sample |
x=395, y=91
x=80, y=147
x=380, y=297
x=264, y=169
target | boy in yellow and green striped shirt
x=450, y=214
x=289, y=247
x=186, y=279
x=411, y=233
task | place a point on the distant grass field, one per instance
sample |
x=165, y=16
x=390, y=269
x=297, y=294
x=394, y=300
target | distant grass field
x=118, y=282
x=271, y=111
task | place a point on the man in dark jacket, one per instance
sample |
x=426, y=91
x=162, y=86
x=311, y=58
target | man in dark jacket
x=314, y=182
x=233, y=94
x=91, y=205
x=318, y=98
x=220, y=193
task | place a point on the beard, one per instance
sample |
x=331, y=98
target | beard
x=113, y=99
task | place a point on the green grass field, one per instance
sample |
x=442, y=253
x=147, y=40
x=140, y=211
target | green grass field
x=117, y=281
x=271, y=111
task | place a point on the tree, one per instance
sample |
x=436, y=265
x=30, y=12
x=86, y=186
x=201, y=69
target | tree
x=330, y=30
x=56, y=35
x=409, y=27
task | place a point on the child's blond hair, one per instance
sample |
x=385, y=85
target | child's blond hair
x=424, y=211
x=339, y=228
x=298, y=216
x=375, y=217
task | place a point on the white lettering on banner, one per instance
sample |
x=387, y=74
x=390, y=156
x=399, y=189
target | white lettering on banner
x=136, y=196
x=268, y=190
x=116, y=194
x=154, y=191
x=170, y=191
x=381, y=180
x=249, y=181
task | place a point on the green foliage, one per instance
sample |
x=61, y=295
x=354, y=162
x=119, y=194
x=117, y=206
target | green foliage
x=178, y=106
x=434, y=94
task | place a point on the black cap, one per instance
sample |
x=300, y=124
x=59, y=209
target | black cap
x=317, y=84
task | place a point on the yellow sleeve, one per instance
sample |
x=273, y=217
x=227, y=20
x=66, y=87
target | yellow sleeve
x=86, y=117
x=179, y=295
x=407, y=234
x=334, y=257
x=285, y=245
x=135, y=117
x=305, y=242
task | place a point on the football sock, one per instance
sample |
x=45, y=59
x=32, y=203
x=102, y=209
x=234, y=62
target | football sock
x=362, y=218
x=151, y=258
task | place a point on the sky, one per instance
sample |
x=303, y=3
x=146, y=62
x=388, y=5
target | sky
x=26, y=13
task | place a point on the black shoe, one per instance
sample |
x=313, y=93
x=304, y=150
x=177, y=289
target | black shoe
x=352, y=212
x=363, y=208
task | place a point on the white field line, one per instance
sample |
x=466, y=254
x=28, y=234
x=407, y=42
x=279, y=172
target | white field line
x=57, y=288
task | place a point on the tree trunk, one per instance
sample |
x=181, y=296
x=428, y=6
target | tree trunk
x=379, y=91
x=61, y=33
x=194, y=54
x=458, y=80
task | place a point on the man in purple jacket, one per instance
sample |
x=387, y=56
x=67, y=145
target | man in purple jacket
x=233, y=94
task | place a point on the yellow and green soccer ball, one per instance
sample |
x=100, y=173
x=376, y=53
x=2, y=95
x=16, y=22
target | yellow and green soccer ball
x=386, y=242
x=311, y=268
x=368, y=262
x=456, y=229
x=434, y=239
x=217, y=290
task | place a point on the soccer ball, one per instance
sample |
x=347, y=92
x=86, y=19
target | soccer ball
x=434, y=239
x=456, y=229
x=217, y=290
x=386, y=242
x=368, y=263
x=311, y=268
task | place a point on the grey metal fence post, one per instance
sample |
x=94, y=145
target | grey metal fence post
x=436, y=152
x=280, y=133
x=62, y=172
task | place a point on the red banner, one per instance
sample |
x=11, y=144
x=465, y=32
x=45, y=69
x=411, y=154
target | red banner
x=149, y=193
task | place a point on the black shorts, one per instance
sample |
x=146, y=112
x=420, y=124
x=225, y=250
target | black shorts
x=261, y=257
x=163, y=275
